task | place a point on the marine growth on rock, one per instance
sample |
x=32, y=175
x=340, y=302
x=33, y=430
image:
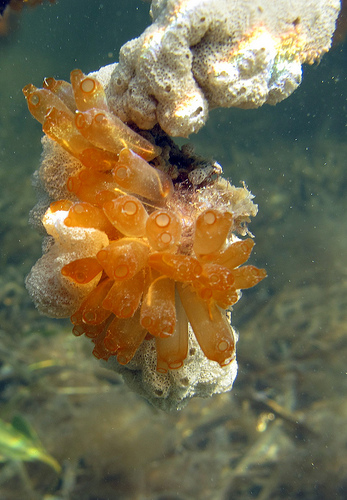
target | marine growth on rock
x=139, y=247
x=146, y=244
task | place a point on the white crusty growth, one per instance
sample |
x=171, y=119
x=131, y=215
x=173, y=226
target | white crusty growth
x=54, y=294
x=200, y=54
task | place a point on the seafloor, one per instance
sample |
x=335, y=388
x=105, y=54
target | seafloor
x=281, y=433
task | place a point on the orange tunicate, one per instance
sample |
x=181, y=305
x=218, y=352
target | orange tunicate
x=234, y=255
x=90, y=331
x=225, y=299
x=40, y=101
x=82, y=270
x=124, y=258
x=123, y=338
x=100, y=351
x=85, y=214
x=61, y=89
x=216, y=277
x=158, y=312
x=106, y=195
x=88, y=184
x=88, y=91
x=210, y=326
x=135, y=175
x=124, y=297
x=247, y=276
x=59, y=125
x=107, y=131
x=173, y=350
x=127, y=214
x=178, y=267
x=91, y=310
x=98, y=159
x=163, y=230
x=58, y=205
x=211, y=231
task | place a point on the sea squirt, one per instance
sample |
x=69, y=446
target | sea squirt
x=138, y=253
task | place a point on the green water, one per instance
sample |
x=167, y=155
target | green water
x=281, y=432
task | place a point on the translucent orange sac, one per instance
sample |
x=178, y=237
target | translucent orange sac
x=124, y=258
x=124, y=297
x=226, y=298
x=163, y=230
x=210, y=325
x=88, y=91
x=61, y=89
x=212, y=229
x=87, y=215
x=57, y=118
x=158, y=311
x=135, y=175
x=123, y=337
x=41, y=100
x=58, y=205
x=234, y=255
x=173, y=350
x=87, y=185
x=82, y=270
x=178, y=267
x=107, y=131
x=91, y=311
x=98, y=159
x=248, y=276
x=59, y=125
x=216, y=277
x=90, y=331
x=127, y=214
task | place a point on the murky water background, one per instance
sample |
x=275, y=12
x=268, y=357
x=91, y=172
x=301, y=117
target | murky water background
x=281, y=433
